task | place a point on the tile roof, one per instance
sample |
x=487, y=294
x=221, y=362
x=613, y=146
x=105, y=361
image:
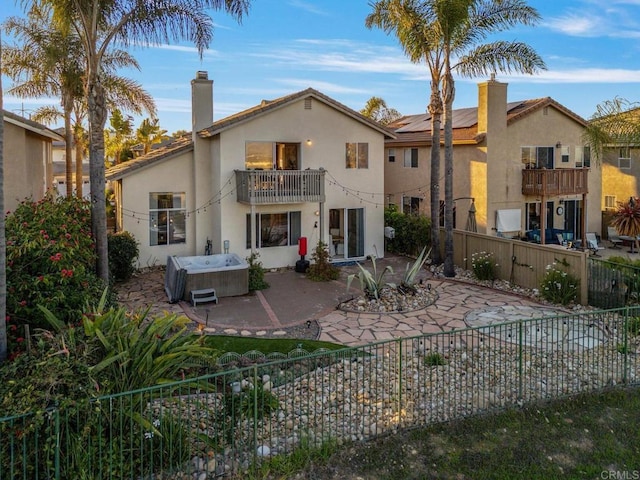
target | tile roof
x=31, y=125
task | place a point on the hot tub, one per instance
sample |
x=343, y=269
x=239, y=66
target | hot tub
x=227, y=273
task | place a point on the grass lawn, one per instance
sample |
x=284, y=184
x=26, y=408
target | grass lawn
x=592, y=436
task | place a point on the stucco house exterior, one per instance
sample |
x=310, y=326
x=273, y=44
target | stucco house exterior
x=510, y=160
x=60, y=168
x=303, y=165
x=28, y=163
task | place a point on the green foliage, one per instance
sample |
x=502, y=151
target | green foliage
x=123, y=253
x=410, y=273
x=50, y=260
x=633, y=327
x=434, y=360
x=558, y=286
x=256, y=273
x=321, y=269
x=484, y=266
x=413, y=232
x=371, y=282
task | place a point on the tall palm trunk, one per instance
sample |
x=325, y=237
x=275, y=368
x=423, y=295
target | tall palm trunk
x=79, y=156
x=448, y=95
x=435, y=109
x=97, y=119
x=3, y=242
x=68, y=138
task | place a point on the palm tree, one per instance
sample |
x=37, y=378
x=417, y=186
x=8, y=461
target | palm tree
x=416, y=29
x=616, y=123
x=149, y=133
x=3, y=243
x=99, y=24
x=376, y=109
x=463, y=25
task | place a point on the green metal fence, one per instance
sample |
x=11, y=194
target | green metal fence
x=612, y=284
x=227, y=423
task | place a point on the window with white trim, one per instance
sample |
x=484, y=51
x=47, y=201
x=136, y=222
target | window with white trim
x=610, y=202
x=537, y=157
x=411, y=158
x=624, y=158
x=391, y=154
x=357, y=155
x=410, y=205
x=564, y=154
x=275, y=229
x=583, y=156
x=167, y=214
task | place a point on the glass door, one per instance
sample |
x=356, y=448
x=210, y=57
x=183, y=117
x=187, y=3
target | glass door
x=355, y=232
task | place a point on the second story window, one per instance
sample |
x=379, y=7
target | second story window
x=391, y=154
x=357, y=155
x=411, y=158
x=564, y=154
x=624, y=158
x=538, y=157
x=583, y=156
x=272, y=156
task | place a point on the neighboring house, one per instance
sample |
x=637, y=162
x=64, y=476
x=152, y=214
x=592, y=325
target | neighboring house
x=28, y=163
x=302, y=165
x=60, y=168
x=510, y=159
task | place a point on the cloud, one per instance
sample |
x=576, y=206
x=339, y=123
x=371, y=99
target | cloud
x=582, y=75
x=308, y=7
x=324, y=87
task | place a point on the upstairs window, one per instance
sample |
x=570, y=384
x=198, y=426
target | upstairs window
x=391, y=154
x=564, y=154
x=624, y=158
x=411, y=158
x=357, y=155
x=410, y=205
x=538, y=157
x=583, y=156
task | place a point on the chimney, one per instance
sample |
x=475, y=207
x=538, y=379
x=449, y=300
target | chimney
x=201, y=102
x=492, y=105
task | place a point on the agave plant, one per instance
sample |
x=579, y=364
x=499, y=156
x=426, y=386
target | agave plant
x=371, y=282
x=411, y=271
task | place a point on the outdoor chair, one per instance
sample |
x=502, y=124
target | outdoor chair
x=614, y=237
x=592, y=243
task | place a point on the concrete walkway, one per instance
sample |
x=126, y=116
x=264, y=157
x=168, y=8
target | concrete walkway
x=293, y=301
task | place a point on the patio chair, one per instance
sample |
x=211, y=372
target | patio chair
x=592, y=243
x=614, y=237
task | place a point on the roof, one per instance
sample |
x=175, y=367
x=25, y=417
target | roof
x=267, y=106
x=416, y=129
x=30, y=125
x=185, y=143
x=178, y=146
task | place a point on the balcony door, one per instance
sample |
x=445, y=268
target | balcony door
x=272, y=156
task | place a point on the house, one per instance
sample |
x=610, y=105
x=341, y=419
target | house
x=60, y=168
x=28, y=163
x=302, y=165
x=521, y=165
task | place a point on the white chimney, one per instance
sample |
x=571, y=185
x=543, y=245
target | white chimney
x=201, y=102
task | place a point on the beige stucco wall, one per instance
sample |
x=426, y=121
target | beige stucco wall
x=329, y=130
x=27, y=165
x=617, y=182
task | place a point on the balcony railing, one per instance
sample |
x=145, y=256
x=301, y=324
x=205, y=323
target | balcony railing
x=561, y=181
x=264, y=187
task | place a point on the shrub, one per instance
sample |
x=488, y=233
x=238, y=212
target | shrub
x=321, y=269
x=411, y=271
x=123, y=253
x=256, y=273
x=50, y=261
x=413, y=232
x=434, y=360
x=371, y=282
x=484, y=266
x=558, y=286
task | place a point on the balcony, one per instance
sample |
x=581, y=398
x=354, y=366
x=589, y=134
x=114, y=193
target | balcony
x=560, y=181
x=268, y=187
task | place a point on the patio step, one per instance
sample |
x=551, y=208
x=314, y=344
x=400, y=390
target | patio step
x=203, y=296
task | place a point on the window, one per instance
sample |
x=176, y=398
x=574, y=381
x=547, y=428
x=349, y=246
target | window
x=610, y=202
x=410, y=205
x=411, y=157
x=537, y=157
x=275, y=229
x=624, y=158
x=272, y=155
x=357, y=155
x=564, y=154
x=167, y=215
x=583, y=157
x=391, y=154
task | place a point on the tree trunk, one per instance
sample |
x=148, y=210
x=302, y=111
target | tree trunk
x=68, y=150
x=448, y=94
x=435, y=109
x=97, y=120
x=77, y=138
x=3, y=242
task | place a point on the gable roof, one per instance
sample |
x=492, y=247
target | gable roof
x=30, y=125
x=267, y=106
x=416, y=129
x=184, y=143
x=176, y=147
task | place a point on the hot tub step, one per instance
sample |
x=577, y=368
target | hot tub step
x=204, y=295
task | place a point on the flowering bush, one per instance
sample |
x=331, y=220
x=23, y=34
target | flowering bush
x=50, y=262
x=558, y=286
x=484, y=266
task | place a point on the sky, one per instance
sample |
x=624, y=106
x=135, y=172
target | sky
x=591, y=49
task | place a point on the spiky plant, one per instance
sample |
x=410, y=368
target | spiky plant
x=626, y=220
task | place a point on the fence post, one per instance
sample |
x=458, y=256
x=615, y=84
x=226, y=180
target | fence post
x=625, y=337
x=520, y=366
x=56, y=412
x=584, y=279
x=399, y=370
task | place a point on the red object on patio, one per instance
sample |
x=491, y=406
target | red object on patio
x=302, y=246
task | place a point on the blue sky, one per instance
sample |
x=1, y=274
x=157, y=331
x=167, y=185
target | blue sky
x=591, y=48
